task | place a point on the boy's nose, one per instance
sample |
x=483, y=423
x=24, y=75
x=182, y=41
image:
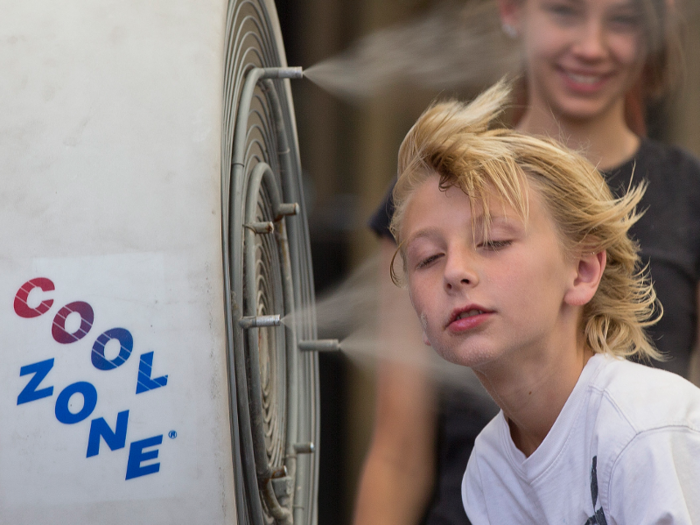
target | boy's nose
x=460, y=271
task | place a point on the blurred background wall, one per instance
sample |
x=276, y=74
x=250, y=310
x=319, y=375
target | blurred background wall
x=348, y=152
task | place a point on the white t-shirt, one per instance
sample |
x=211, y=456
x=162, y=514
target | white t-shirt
x=625, y=449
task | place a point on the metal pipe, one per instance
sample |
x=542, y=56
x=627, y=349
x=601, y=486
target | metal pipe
x=319, y=345
x=259, y=321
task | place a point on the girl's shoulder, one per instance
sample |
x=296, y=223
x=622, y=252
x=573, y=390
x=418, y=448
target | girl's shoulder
x=665, y=160
x=669, y=170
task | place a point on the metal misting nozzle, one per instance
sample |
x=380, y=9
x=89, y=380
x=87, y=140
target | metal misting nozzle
x=283, y=72
x=260, y=227
x=259, y=321
x=287, y=208
x=304, y=448
x=319, y=345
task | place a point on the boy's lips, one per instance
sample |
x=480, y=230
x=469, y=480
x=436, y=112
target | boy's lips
x=467, y=317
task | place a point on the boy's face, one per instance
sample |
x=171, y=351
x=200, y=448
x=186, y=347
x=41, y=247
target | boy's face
x=481, y=299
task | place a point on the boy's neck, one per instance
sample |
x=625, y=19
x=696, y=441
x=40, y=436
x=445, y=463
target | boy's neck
x=533, y=393
x=606, y=141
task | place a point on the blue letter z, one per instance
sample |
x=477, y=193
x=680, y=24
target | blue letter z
x=40, y=371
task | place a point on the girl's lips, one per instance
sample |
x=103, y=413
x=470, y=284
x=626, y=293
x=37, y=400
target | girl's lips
x=584, y=83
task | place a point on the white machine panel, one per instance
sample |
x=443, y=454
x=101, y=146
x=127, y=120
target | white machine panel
x=113, y=389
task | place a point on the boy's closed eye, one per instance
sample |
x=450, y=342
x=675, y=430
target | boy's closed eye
x=491, y=245
x=427, y=261
x=494, y=244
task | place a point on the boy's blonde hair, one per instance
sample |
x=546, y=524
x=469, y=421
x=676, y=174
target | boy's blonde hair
x=455, y=141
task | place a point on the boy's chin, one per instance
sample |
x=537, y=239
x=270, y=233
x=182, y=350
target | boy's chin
x=471, y=357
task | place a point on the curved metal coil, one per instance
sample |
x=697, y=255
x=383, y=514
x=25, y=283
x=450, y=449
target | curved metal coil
x=274, y=397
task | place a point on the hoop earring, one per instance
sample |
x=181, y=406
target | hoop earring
x=510, y=31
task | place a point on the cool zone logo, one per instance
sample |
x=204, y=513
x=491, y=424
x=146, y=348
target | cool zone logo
x=39, y=378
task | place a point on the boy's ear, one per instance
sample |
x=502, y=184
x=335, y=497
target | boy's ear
x=589, y=272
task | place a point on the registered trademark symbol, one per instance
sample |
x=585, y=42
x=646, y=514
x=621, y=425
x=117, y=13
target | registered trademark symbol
x=172, y=434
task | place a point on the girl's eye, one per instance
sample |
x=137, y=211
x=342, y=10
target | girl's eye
x=494, y=245
x=630, y=21
x=562, y=10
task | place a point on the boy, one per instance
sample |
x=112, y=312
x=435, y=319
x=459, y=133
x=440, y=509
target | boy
x=519, y=266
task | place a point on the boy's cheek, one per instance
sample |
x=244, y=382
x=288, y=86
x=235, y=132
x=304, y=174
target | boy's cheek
x=422, y=316
x=424, y=325
x=423, y=321
x=411, y=297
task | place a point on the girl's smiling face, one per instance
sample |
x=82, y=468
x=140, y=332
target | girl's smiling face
x=481, y=297
x=581, y=56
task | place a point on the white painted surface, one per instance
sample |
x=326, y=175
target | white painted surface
x=110, y=119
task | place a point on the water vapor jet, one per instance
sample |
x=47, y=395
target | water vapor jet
x=351, y=314
x=456, y=45
x=453, y=46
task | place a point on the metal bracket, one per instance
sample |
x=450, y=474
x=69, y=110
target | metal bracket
x=277, y=491
x=283, y=488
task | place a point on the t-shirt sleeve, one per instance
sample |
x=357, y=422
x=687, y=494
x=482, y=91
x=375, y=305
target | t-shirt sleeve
x=656, y=479
x=381, y=219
